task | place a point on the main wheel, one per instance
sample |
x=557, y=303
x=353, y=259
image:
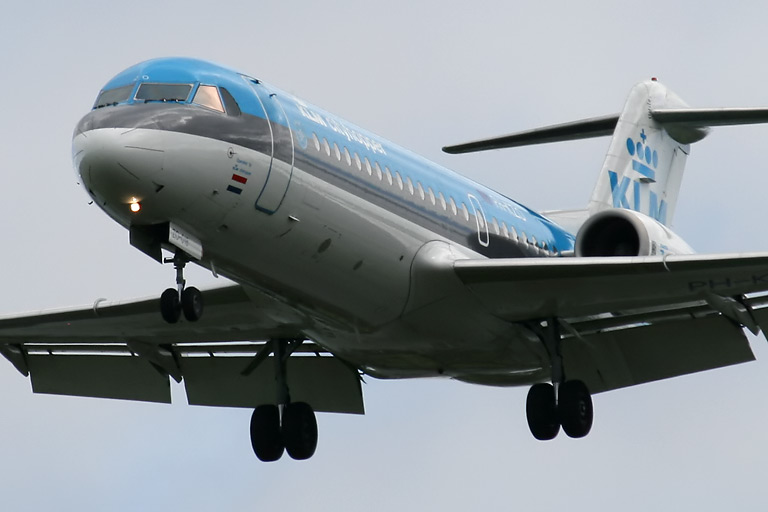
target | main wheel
x=170, y=307
x=575, y=408
x=192, y=304
x=299, y=430
x=541, y=412
x=265, y=433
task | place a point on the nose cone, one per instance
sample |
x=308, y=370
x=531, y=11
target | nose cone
x=117, y=167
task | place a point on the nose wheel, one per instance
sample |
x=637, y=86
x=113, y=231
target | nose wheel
x=175, y=301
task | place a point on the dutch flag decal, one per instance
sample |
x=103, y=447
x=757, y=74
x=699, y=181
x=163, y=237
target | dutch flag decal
x=236, y=185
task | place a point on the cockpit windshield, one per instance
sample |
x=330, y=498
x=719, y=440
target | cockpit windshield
x=114, y=96
x=163, y=92
x=208, y=96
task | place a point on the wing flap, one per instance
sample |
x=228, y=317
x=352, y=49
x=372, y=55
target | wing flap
x=626, y=357
x=99, y=376
x=326, y=383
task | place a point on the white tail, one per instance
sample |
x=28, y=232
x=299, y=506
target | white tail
x=644, y=166
x=643, y=169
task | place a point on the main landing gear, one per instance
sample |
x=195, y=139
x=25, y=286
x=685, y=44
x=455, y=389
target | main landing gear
x=565, y=403
x=288, y=426
x=175, y=301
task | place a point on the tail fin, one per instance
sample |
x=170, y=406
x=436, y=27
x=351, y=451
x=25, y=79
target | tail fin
x=643, y=168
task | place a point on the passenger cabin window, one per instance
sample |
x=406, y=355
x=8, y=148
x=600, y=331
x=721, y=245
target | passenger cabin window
x=464, y=211
x=399, y=180
x=113, y=96
x=208, y=96
x=163, y=92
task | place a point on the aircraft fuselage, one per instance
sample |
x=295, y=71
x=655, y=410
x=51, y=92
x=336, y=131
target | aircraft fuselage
x=324, y=217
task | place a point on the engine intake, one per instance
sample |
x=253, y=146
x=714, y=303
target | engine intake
x=619, y=232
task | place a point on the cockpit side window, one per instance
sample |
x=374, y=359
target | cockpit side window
x=208, y=96
x=163, y=92
x=114, y=96
x=233, y=108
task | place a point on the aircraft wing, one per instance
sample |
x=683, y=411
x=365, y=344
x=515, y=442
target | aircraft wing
x=126, y=350
x=626, y=321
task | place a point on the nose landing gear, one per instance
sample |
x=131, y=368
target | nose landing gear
x=174, y=302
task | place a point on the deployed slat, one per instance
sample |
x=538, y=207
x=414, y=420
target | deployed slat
x=99, y=376
x=626, y=357
x=326, y=383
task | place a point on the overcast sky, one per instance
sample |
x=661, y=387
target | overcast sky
x=422, y=76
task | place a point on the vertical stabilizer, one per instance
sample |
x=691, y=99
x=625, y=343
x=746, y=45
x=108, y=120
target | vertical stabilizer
x=643, y=169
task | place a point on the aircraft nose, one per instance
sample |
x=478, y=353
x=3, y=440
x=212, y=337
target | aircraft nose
x=117, y=166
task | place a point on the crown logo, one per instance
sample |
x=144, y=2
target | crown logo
x=647, y=158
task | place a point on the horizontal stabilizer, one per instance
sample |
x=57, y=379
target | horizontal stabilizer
x=686, y=125
x=583, y=129
x=700, y=117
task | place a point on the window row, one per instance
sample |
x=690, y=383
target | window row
x=394, y=178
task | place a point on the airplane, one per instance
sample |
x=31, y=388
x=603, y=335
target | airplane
x=347, y=256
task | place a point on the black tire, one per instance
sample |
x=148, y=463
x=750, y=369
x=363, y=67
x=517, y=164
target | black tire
x=575, y=408
x=170, y=307
x=266, y=440
x=299, y=430
x=192, y=304
x=541, y=412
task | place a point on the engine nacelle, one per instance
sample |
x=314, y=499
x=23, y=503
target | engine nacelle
x=619, y=232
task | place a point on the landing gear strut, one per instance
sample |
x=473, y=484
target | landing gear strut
x=288, y=426
x=565, y=403
x=174, y=302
